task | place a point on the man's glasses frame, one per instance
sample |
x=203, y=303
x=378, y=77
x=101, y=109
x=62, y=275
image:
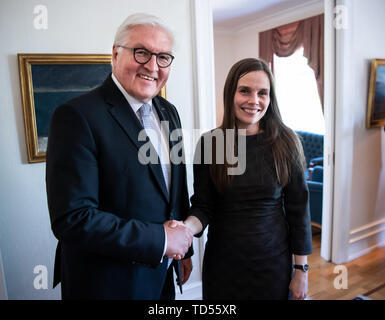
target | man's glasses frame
x=142, y=60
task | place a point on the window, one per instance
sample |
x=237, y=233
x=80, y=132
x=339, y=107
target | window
x=297, y=94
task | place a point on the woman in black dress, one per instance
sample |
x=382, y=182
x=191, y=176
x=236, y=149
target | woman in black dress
x=258, y=220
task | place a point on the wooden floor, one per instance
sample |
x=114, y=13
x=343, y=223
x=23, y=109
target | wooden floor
x=365, y=276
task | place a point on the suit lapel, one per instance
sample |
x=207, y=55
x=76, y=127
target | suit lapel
x=126, y=118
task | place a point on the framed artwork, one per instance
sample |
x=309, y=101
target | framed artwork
x=49, y=80
x=376, y=100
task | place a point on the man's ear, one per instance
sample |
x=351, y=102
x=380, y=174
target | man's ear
x=114, y=53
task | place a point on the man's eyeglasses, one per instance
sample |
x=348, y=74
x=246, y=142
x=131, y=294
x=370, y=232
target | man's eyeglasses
x=142, y=56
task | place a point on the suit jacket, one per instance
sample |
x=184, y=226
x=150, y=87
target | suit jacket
x=106, y=208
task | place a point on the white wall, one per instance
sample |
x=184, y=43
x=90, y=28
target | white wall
x=86, y=26
x=360, y=152
x=224, y=59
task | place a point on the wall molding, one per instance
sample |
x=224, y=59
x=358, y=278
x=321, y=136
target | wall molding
x=281, y=17
x=367, y=231
x=367, y=238
x=361, y=252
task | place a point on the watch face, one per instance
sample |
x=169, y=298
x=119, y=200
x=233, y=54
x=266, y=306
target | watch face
x=306, y=267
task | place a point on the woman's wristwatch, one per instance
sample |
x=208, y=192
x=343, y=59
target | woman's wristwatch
x=303, y=267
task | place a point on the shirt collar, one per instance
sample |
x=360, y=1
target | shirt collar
x=134, y=103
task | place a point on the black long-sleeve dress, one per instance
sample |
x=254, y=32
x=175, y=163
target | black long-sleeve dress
x=255, y=226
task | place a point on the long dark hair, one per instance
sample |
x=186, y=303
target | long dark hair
x=286, y=146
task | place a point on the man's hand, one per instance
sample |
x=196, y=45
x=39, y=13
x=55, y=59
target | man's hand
x=179, y=239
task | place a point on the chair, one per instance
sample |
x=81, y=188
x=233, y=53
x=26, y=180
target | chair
x=313, y=145
x=313, y=149
x=315, y=195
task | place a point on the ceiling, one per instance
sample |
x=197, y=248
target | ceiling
x=236, y=13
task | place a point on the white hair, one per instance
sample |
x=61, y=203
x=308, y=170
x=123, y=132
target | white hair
x=139, y=19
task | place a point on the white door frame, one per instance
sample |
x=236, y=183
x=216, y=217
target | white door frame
x=329, y=115
x=342, y=185
x=204, y=76
x=204, y=107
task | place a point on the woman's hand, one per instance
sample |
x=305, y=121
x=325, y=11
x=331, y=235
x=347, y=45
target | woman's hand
x=299, y=285
x=194, y=224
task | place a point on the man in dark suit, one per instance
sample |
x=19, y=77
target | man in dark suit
x=114, y=215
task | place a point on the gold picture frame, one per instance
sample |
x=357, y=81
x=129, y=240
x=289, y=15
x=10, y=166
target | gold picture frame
x=376, y=99
x=47, y=81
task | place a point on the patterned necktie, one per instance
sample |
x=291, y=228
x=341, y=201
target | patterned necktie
x=145, y=114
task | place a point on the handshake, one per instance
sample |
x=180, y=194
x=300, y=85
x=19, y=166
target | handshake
x=179, y=238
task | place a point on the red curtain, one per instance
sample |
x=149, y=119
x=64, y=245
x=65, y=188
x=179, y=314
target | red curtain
x=285, y=40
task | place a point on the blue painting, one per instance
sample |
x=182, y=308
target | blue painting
x=54, y=84
x=379, y=96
